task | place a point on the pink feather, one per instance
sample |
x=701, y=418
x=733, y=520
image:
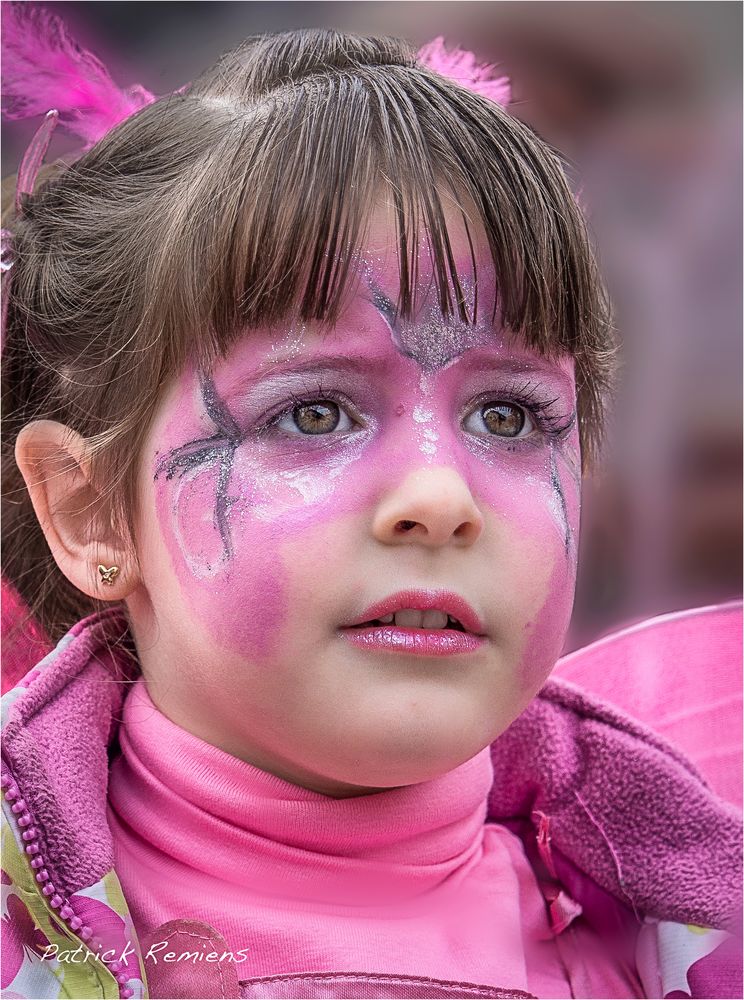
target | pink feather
x=462, y=67
x=43, y=67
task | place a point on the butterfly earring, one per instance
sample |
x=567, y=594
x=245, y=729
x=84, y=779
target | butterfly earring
x=108, y=575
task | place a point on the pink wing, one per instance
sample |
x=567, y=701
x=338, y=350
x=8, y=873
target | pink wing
x=681, y=675
x=23, y=640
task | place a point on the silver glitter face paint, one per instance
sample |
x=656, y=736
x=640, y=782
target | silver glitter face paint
x=561, y=510
x=219, y=449
x=310, y=484
x=422, y=415
x=427, y=436
x=432, y=341
x=427, y=446
x=287, y=348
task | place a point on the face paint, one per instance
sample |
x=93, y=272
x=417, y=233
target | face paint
x=193, y=482
x=274, y=532
x=256, y=477
x=217, y=450
x=432, y=341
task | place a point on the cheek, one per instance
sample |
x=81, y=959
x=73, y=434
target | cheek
x=230, y=528
x=537, y=503
x=238, y=596
x=545, y=633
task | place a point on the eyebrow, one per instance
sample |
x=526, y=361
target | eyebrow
x=520, y=366
x=480, y=359
x=324, y=362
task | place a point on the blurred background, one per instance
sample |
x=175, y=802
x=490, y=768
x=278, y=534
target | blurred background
x=644, y=102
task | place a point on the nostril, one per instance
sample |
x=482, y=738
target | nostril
x=405, y=525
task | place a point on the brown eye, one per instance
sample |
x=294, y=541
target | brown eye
x=500, y=419
x=319, y=417
x=504, y=419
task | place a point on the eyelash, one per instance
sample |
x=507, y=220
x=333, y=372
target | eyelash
x=539, y=408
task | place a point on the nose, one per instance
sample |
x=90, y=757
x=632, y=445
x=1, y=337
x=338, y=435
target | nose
x=431, y=507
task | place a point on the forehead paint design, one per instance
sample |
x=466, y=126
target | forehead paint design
x=434, y=342
x=219, y=448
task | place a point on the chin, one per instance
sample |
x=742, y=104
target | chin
x=410, y=755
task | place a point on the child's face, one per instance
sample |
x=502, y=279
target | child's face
x=310, y=476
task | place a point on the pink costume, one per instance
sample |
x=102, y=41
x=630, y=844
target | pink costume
x=199, y=834
x=494, y=880
x=636, y=859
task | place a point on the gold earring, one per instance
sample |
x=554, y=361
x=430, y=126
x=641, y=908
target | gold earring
x=108, y=575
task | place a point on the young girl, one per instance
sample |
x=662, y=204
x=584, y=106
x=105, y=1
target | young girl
x=301, y=367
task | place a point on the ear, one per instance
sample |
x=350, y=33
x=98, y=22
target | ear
x=72, y=511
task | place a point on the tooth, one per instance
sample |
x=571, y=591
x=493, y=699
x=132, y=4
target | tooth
x=408, y=618
x=434, y=619
x=386, y=619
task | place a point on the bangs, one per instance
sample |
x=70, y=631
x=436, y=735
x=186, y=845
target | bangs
x=278, y=209
x=248, y=199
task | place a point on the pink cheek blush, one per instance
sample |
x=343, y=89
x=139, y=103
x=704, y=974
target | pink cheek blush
x=238, y=596
x=547, y=632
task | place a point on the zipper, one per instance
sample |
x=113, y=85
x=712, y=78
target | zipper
x=55, y=898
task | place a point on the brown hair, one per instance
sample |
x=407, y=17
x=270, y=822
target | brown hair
x=245, y=198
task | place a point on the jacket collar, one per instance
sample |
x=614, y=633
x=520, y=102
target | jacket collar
x=615, y=809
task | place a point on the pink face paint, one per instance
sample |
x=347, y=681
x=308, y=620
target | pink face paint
x=241, y=491
x=545, y=634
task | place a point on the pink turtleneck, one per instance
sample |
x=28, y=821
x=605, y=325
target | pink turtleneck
x=408, y=881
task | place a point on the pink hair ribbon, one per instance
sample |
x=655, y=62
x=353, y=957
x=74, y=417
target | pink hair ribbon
x=45, y=71
x=43, y=67
x=462, y=67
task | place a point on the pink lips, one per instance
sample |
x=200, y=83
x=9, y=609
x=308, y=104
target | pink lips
x=417, y=641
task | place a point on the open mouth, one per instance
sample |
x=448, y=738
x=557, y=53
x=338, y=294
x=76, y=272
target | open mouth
x=419, y=623
x=410, y=618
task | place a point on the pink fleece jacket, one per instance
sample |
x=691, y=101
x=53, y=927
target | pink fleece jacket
x=621, y=833
x=408, y=881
